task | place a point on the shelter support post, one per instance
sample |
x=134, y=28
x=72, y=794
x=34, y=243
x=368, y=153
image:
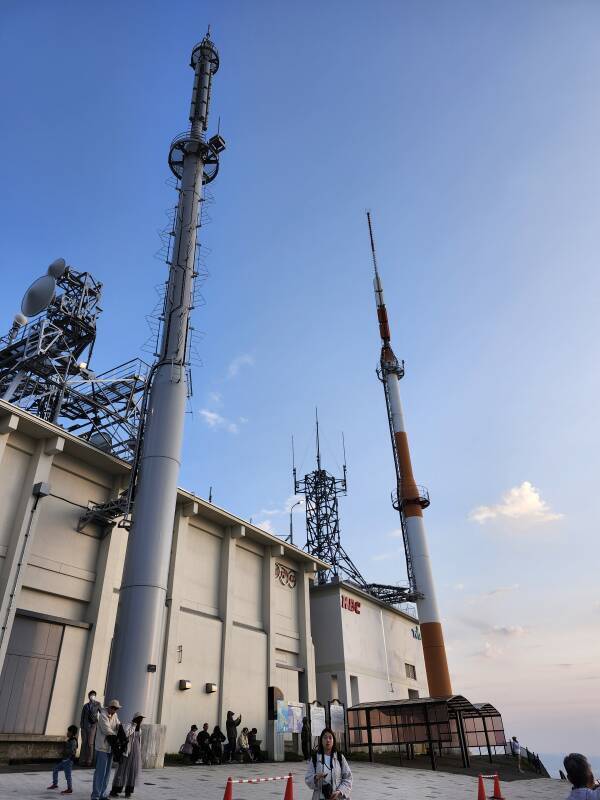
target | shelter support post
x=369, y=736
x=429, y=739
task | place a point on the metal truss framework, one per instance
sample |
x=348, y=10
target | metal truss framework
x=44, y=369
x=321, y=490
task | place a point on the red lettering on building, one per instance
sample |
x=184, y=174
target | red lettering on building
x=350, y=605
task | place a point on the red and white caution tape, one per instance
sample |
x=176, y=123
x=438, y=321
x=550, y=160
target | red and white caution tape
x=258, y=780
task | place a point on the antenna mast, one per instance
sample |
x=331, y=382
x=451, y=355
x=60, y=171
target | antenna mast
x=410, y=500
x=135, y=669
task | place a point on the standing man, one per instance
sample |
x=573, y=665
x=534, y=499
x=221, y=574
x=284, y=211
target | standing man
x=89, y=721
x=230, y=728
x=108, y=724
x=516, y=751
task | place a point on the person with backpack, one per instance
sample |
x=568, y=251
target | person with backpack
x=327, y=771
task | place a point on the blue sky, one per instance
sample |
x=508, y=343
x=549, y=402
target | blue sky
x=471, y=130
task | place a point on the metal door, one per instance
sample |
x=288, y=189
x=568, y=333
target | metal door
x=28, y=675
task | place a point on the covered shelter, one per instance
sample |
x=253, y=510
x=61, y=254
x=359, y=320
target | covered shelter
x=442, y=724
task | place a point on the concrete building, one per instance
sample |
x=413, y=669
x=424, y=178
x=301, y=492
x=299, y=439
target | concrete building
x=365, y=649
x=238, y=617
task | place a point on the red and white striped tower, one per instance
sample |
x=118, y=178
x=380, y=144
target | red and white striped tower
x=410, y=500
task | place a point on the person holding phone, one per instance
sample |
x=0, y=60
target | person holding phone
x=327, y=771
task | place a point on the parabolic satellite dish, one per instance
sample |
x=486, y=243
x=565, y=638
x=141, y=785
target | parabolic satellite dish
x=38, y=296
x=57, y=268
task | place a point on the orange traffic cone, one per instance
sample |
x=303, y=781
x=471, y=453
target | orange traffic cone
x=497, y=793
x=480, y=790
x=289, y=788
x=228, y=790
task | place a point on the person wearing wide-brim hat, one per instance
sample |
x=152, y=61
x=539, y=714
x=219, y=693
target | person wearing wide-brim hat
x=108, y=725
x=131, y=763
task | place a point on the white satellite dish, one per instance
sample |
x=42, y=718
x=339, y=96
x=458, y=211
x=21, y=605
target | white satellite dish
x=101, y=440
x=38, y=296
x=57, y=268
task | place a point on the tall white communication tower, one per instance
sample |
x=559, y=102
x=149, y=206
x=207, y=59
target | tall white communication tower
x=134, y=672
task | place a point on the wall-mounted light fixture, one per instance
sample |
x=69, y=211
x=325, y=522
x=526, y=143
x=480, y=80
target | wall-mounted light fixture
x=183, y=685
x=210, y=688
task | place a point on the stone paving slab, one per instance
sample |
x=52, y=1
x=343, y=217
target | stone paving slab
x=371, y=782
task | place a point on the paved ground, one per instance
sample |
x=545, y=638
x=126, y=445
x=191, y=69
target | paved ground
x=371, y=782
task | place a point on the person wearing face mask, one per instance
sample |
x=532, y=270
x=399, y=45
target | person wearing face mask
x=87, y=725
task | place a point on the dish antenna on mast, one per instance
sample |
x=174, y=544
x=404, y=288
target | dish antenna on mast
x=40, y=293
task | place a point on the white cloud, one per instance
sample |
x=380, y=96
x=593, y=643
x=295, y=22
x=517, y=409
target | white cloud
x=501, y=590
x=218, y=422
x=396, y=534
x=266, y=525
x=490, y=651
x=215, y=398
x=520, y=502
x=245, y=360
x=509, y=630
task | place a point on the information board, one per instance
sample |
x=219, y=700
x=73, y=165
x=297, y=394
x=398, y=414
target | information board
x=317, y=721
x=337, y=718
x=289, y=717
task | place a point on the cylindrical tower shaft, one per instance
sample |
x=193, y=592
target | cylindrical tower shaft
x=411, y=500
x=136, y=658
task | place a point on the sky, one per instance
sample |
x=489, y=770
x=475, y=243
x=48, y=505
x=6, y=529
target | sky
x=471, y=131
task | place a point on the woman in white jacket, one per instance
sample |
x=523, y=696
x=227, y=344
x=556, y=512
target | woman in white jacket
x=327, y=771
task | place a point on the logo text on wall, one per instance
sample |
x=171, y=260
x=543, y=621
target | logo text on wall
x=416, y=632
x=285, y=575
x=350, y=604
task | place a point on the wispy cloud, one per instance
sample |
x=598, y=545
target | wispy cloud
x=215, y=398
x=490, y=651
x=218, y=422
x=266, y=525
x=396, y=533
x=501, y=590
x=492, y=630
x=244, y=360
x=509, y=630
x=520, y=502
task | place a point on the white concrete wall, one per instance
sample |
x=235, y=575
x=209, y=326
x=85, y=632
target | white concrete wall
x=75, y=576
x=13, y=469
x=200, y=640
x=350, y=644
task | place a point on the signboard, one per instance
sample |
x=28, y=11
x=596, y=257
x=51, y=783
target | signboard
x=317, y=721
x=350, y=604
x=289, y=717
x=337, y=718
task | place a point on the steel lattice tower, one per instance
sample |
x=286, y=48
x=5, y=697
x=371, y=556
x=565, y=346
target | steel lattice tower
x=321, y=490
